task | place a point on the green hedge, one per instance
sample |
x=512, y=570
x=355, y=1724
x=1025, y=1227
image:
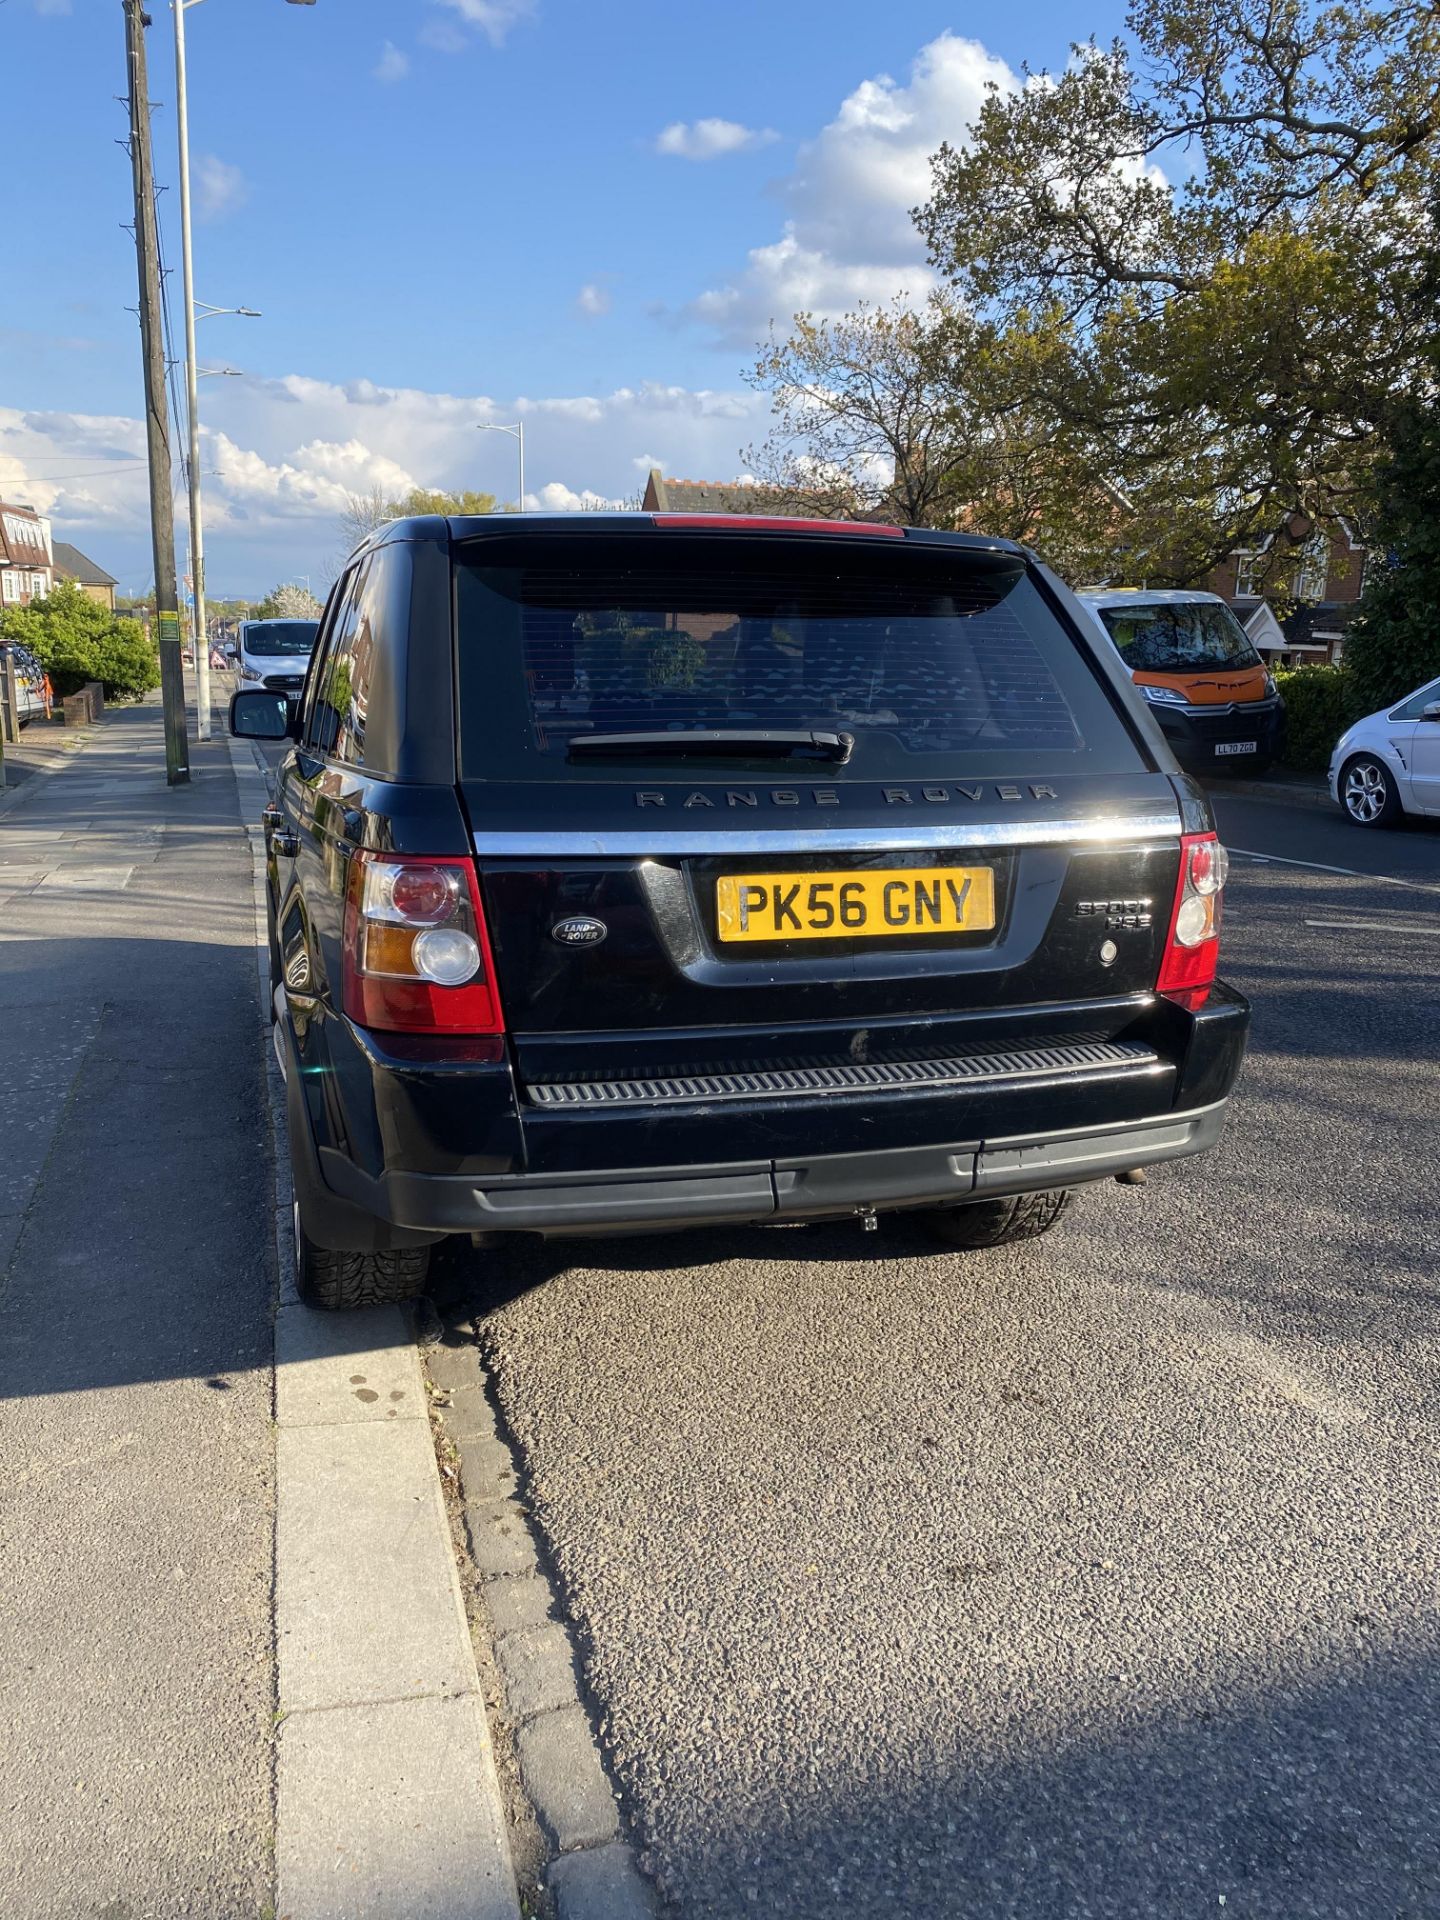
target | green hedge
x=1320, y=703
x=75, y=639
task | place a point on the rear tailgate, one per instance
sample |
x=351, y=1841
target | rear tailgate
x=962, y=918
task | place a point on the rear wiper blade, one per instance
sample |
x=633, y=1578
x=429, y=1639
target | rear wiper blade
x=766, y=742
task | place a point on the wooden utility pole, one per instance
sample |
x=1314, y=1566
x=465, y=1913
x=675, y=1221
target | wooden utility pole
x=157, y=419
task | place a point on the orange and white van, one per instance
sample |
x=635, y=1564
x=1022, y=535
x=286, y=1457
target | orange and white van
x=1192, y=660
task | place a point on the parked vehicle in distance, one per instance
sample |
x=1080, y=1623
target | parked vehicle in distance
x=1191, y=659
x=1388, y=764
x=32, y=686
x=646, y=871
x=276, y=654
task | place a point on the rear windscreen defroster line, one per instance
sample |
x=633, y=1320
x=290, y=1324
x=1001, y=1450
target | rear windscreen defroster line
x=931, y=660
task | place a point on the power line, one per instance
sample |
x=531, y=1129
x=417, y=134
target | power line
x=92, y=473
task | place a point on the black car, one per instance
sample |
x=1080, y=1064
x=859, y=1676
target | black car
x=635, y=872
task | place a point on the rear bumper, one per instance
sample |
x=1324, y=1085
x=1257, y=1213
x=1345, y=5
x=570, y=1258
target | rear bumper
x=378, y=1158
x=830, y=1185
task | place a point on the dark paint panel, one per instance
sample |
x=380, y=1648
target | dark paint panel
x=786, y=1129
x=561, y=1057
x=661, y=966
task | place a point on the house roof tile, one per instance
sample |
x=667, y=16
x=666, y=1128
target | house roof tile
x=74, y=565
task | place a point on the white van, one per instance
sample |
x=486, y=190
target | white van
x=276, y=653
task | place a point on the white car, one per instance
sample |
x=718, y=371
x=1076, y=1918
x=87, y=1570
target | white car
x=1388, y=764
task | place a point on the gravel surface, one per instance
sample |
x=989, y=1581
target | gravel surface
x=1092, y=1577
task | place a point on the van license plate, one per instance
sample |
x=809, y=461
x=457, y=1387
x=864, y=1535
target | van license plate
x=886, y=902
x=1235, y=746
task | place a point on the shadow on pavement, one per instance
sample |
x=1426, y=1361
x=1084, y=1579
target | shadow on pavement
x=1312, y=1801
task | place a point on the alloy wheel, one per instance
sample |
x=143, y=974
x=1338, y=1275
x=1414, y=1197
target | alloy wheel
x=1366, y=791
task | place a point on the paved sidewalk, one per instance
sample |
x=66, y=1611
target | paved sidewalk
x=136, y=1275
x=181, y=1573
x=44, y=747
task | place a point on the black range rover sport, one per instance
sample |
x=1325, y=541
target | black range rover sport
x=631, y=872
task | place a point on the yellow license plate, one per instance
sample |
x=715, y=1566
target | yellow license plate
x=885, y=902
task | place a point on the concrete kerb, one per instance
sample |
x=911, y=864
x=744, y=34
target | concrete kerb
x=590, y=1873
x=387, y=1799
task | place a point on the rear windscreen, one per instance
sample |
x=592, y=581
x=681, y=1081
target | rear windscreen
x=925, y=657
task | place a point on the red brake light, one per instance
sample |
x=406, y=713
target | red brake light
x=1191, y=958
x=795, y=523
x=416, y=951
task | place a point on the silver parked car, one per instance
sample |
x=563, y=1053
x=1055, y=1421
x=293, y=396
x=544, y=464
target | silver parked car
x=1388, y=764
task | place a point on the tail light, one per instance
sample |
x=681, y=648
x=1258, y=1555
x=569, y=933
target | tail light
x=417, y=954
x=1192, y=945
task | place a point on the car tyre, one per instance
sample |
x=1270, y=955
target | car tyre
x=996, y=1223
x=1368, y=792
x=332, y=1281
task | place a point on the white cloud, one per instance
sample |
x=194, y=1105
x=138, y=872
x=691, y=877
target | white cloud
x=556, y=497
x=849, y=235
x=392, y=65
x=52, y=6
x=494, y=18
x=443, y=36
x=285, y=453
x=593, y=299
x=221, y=187
x=709, y=139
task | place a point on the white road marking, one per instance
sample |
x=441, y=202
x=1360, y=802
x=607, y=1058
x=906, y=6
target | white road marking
x=1319, y=866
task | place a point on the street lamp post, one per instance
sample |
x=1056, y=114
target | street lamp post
x=197, y=537
x=192, y=372
x=517, y=433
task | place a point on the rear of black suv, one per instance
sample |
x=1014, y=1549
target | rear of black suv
x=635, y=873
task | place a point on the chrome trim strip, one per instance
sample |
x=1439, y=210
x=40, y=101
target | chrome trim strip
x=663, y=840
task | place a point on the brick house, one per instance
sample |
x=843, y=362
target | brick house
x=27, y=560
x=723, y=496
x=1326, y=585
x=93, y=581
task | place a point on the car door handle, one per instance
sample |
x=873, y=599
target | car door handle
x=284, y=843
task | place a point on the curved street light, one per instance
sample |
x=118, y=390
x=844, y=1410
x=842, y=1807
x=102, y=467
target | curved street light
x=517, y=433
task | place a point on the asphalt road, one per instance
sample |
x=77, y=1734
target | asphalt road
x=1096, y=1577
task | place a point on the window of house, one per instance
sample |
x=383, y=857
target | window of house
x=10, y=584
x=1249, y=575
x=1314, y=569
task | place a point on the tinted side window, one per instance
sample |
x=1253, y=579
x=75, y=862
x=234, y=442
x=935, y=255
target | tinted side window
x=337, y=727
x=313, y=731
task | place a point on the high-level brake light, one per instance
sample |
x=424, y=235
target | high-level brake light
x=1192, y=946
x=795, y=523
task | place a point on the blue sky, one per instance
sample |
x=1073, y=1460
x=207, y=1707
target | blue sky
x=451, y=211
